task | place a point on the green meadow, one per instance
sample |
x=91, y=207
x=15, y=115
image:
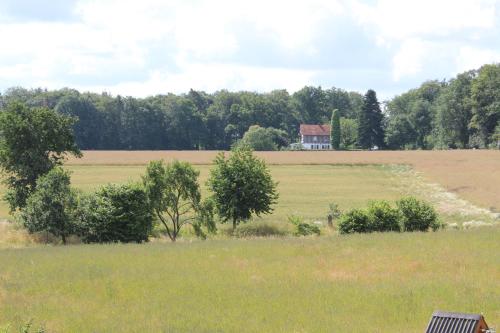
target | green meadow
x=359, y=283
x=305, y=190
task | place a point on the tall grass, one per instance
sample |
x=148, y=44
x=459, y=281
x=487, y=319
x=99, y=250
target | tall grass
x=358, y=283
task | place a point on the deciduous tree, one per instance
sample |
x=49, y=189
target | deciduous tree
x=242, y=185
x=50, y=207
x=174, y=195
x=32, y=142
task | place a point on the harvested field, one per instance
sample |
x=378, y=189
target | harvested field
x=474, y=175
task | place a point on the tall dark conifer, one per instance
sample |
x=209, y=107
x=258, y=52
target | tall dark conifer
x=370, y=130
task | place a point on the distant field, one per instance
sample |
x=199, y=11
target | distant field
x=305, y=190
x=472, y=174
x=361, y=283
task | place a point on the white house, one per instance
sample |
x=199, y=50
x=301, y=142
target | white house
x=315, y=137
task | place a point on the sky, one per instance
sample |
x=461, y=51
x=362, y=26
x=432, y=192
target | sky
x=147, y=47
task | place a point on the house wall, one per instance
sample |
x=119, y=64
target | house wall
x=315, y=142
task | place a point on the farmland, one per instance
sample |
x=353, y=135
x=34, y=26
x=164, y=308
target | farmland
x=304, y=190
x=472, y=174
x=362, y=283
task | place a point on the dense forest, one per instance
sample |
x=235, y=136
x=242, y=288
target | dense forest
x=463, y=112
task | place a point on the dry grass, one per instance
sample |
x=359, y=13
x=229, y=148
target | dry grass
x=472, y=174
x=360, y=283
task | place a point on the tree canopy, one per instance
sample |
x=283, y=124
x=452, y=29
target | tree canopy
x=174, y=195
x=241, y=185
x=32, y=142
x=461, y=112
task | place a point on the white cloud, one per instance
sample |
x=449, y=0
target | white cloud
x=472, y=58
x=419, y=30
x=408, y=60
x=397, y=19
x=174, y=45
x=213, y=77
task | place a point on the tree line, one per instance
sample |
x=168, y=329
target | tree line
x=463, y=112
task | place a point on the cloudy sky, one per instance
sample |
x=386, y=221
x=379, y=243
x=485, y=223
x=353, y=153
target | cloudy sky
x=146, y=47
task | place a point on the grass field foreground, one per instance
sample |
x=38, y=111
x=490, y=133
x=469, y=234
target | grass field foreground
x=359, y=283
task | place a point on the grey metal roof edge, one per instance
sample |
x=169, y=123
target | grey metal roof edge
x=457, y=315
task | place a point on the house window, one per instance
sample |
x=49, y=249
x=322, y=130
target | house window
x=315, y=138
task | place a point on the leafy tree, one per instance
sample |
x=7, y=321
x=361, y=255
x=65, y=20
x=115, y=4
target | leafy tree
x=417, y=215
x=383, y=217
x=88, y=125
x=486, y=102
x=454, y=112
x=310, y=103
x=174, y=195
x=51, y=205
x=496, y=136
x=348, y=133
x=258, y=138
x=399, y=132
x=32, y=142
x=115, y=213
x=242, y=185
x=335, y=131
x=370, y=131
x=354, y=221
x=422, y=122
x=263, y=139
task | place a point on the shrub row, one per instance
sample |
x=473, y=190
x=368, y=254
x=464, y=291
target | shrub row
x=115, y=213
x=410, y=214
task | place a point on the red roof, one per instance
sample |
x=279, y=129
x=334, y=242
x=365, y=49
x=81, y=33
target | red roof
x=314, y=129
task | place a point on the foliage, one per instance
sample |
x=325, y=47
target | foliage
x=411, y=214
x=370, y=130
x=417, y=215
x=348, y=133
x=302, y=228
x=333, y=213
x=354, y=221
x=485, y=96
x=32, y=142
x=335, y=130
x=258, y=138
x=454, y=112
x=114, y=213
x=242, y=185
x=50, y=207
x=174, y=195
x=383, y=217
x=259, y=229
x=458, y=113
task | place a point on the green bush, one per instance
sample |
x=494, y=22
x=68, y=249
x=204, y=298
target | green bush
x=355, y=220
x=115, y=213
x=258, y=229
x=383, y=217
x=417, y=215
x=50, y=207
x=302, y=228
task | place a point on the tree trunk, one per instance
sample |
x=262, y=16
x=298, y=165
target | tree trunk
x=234, y=224
x=63, y=236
